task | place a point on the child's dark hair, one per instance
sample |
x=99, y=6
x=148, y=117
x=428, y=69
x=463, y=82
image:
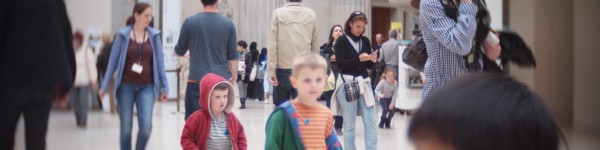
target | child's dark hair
x=486, y=111
x=222, y=87
x=243, y=44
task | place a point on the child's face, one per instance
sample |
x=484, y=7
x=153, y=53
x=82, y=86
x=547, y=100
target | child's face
x=309, y=82
x=218, y=100
x=390, y=77
x=240, y=49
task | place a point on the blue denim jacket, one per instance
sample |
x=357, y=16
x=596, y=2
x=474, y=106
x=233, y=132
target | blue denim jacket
x=118, y=55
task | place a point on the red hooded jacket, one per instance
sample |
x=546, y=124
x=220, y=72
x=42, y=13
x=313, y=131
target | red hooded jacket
x=197, y=127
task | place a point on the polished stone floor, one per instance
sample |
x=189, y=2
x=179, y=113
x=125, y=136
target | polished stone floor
x=102, y=132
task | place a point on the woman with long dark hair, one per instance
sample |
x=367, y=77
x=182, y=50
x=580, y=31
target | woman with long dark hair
x=260, y=63
x=251, y=59
x=136, y=61
x=353, y=56
x=329, y=53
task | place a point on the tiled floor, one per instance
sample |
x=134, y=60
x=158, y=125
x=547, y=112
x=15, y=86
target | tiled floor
x=102, y=132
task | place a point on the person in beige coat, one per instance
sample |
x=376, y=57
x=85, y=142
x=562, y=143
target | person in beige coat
x=85, y=79
x=285, y=43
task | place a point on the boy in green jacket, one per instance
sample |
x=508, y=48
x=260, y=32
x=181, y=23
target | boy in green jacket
x=303, y=123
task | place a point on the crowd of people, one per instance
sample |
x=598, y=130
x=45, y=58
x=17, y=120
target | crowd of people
x=492, y=111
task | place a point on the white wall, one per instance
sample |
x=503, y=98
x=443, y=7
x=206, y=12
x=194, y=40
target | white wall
x=121, y=10
x=85, y=14
x=322, y=8
x=495, y=8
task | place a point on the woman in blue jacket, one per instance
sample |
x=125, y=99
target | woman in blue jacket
x=137, y=64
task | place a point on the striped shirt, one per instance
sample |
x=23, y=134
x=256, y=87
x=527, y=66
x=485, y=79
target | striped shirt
x=315, y=124
x=218, y=139
x=447, y=41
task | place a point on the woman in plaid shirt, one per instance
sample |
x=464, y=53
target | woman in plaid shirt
x=447, y=41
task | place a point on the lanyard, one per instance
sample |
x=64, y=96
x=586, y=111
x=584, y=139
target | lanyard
x=137, y=46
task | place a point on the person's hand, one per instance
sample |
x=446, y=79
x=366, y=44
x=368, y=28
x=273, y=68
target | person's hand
x=332, y=58
x=244, y=66
x=391, y=107
x=62, y=98
x=274, y=81
x=364, y=57
x=233, y=80
x=164, y=97
x=492, y=51
x=94, y=87
x=187, y=54
x=374, y=58
x=101, y=93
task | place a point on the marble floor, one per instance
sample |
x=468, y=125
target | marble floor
x=102, y=132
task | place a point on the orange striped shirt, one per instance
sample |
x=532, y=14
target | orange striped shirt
x=315, y=124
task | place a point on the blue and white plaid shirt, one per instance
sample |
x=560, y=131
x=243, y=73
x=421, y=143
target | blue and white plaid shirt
x=447, y=42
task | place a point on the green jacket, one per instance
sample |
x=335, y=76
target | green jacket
x=283, y=131
x=280, y=133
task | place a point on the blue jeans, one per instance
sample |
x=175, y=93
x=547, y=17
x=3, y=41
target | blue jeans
x=143, y=97
x=192, y=99
x=284, y=90
x=386, y=113
x=349, y=110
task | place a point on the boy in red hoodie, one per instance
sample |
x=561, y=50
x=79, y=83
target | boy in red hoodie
x=214, y=126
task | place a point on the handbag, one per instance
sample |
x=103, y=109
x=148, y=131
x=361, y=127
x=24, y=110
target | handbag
x=253, y=73
x=330, y=85
x=415, y=54
x=351, y=90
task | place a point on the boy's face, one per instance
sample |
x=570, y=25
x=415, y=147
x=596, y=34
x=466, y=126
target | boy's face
x=240, y=49
x=309, y=82
x=218, y=100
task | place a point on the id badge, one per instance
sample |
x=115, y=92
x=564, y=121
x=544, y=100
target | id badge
x=137, y=68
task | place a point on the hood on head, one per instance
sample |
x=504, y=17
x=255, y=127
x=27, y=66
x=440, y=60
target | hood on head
x=207, y=85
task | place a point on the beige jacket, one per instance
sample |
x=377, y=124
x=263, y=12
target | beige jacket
x=87, y=72
x=293, y=31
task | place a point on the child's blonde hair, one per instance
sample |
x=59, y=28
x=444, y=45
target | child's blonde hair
x=386, y=71
x=308, y=59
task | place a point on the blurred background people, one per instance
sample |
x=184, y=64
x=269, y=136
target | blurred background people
x=86, y=78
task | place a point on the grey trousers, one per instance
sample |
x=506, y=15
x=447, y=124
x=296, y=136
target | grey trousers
x=242, y=87
x=80, y=101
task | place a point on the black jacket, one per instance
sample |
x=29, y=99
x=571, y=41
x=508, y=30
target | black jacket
x=347, y=58
x=103, y=58
x=36, y=49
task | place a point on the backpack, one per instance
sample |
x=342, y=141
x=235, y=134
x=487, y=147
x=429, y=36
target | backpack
x=415, y=53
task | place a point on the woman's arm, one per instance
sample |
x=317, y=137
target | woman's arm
x=161, y=66
x=115, y=53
